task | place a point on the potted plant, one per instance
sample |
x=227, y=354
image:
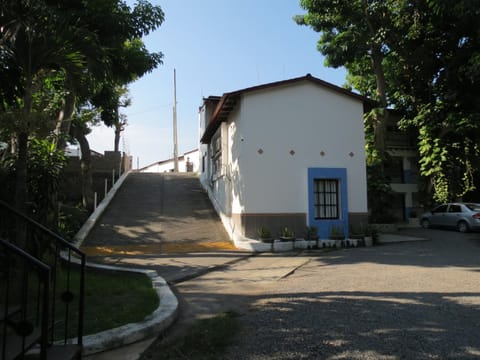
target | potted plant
x=287, y=234
x=264, y=234
x=311, y=234
x=357, y=234
x=370, y=236
x=337, y=234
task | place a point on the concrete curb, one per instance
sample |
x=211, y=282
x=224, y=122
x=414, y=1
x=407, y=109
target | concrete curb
x=165, y=314
x=93, y=218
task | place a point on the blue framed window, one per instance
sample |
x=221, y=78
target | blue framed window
x=326, y=198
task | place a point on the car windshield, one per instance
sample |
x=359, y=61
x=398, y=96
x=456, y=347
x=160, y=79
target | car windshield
x=473, y=207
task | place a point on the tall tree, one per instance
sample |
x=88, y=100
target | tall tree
x=34, y=41
x=95, y=44
x=429, y=69
x=443, y=100
x=121, y=122
x=125, y=59
x=353, y=35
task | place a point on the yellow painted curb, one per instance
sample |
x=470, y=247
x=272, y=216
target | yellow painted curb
x=157, y=248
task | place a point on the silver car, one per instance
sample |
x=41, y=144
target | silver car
x=462, y=216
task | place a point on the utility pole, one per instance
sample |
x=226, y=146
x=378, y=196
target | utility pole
x=175, y=140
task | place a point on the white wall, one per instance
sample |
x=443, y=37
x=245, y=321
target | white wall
x=307, y=119
x=168, y=165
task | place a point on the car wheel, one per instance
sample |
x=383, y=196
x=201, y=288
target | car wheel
x=462, y=226
x=425, y=223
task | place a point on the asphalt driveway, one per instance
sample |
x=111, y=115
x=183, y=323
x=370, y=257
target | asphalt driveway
x=399, y=301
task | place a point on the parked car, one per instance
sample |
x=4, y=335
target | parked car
x=462, y=216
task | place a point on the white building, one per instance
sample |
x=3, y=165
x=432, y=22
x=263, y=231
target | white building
x=289, y=153
x=187, y=162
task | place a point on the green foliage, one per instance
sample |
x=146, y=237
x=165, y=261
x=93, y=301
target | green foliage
x=427, y=57
x=70, y=220
x=45, y=167
x=380, y=195
x=264, y=233
x=336, y=232
x=371, y=118
x=54, y=54
x=311, y=233
x=7, y=176
x=286, y=233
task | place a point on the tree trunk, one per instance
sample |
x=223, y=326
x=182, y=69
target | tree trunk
x=86, y=168
x=380, y=121
x=21, y=187
x=64, y=119
x=116, y=143
x=21, y=168
x=377, y=57
x=21, y=190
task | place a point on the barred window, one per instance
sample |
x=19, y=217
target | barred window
x=216, y=147
x=327, y=198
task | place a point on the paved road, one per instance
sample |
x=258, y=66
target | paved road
x=401, y=301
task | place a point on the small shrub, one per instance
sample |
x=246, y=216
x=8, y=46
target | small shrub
x=336, y=232
x=264, y=233
x=287, y=233
x=311, y=233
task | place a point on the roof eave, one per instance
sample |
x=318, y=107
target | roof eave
x=225, y=106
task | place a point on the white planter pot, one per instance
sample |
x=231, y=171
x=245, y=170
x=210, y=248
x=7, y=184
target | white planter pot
x=301, y=244
x=282, y=245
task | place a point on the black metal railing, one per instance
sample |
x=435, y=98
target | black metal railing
x=67, y=278
x=24, y=302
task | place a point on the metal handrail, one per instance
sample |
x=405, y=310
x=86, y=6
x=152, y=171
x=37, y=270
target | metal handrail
x=43, y=228
x=44, y=276
x=60, y=242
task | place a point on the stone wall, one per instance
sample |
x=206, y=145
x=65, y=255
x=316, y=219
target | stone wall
x=105, y=168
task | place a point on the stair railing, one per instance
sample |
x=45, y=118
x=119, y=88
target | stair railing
x=24, y=303
x=64, y=260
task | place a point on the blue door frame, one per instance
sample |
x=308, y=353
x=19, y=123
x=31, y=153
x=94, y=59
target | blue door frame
x=325, y=225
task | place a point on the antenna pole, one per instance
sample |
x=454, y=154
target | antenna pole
x=175, y=140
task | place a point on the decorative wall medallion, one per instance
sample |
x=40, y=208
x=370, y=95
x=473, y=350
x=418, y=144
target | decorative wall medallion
x=351, y=154
x=322, y=153
x=292, y=152
x=260, y=151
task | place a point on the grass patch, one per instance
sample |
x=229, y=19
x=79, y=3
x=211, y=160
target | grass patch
x=117, y=298
x=112, y=299
x=206, y=339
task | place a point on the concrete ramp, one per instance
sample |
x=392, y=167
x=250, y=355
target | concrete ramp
x=158, y=213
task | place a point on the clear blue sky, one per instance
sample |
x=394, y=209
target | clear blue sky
x=216, y=46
